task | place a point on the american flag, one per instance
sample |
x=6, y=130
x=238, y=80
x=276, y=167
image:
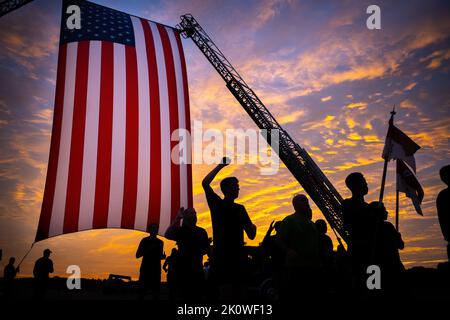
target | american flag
x=121, y=92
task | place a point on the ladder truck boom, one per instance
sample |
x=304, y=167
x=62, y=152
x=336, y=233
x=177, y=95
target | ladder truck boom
x=296, y=158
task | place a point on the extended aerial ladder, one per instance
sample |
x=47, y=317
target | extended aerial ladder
x=6, y=6
x=296, y=159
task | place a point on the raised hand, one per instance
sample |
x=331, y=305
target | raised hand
x=225, y=161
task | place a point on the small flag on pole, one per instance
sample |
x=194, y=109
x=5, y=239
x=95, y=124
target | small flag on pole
x=399, y=146
x=408, y=183
x=121, y=91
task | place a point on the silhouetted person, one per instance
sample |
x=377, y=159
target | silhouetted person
x=443, y=206
x=229, y=221
x=298, y=237
x=193, y=244
x=9, y=276
x=272, y=248
x=41, y=271
x=274, y=253
x=170, y=267
x=388, y=243
x=361, y=227
x=151, y=249
x=325, y=251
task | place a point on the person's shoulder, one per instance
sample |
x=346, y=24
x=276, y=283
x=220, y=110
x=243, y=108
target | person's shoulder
x=346, y=201
x=288, y=218
x=444, y=195
x=201, y=231
x=239, y=206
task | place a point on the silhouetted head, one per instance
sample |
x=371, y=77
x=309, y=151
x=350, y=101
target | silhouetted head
x=153, y=229
x=301, y=205
x=189, y=217
x=321, y=226
x=357, y=184
x=445, y=174
x=12, y=260
x=230, y=187
x=174, y=251
x=379, y=210
x=47, y=253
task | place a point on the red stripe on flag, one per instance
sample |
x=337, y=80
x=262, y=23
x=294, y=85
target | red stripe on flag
x=47, y=203
x=155, y=128
x=131, y=140
x=103, y=178
x=173, y=115
x=188, y=117
x=72, y=209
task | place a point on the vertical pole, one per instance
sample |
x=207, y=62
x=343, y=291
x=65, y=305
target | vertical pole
x=383, y=179
x=397, y=216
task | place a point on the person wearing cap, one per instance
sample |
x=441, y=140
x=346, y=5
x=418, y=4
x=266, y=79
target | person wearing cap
x=41, y=271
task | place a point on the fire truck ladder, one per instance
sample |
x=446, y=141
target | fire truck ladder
x=296, y=159
x=7, y=6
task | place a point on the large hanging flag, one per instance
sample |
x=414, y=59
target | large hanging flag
x=399, y=146
x=121, y=92
x=408, y=183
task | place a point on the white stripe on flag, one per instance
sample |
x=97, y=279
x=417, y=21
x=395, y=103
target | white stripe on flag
x=165, y=212
x=62, y=173
x=90, y=138
x=181, y=115
x=143, y=187
x=118, y=139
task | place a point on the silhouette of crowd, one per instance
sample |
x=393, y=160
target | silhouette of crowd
x=296, y=258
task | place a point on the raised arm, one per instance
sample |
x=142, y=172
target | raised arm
x=170, y=232
x=206, y=183
x=268, y=233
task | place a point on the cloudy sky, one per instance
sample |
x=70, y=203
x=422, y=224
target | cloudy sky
x=328, y=80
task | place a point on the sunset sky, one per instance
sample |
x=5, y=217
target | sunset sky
x=329, y=81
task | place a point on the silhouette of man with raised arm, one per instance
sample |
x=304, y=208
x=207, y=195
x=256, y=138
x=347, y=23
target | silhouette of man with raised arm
x=298, y=238
x=360, y=225
x=41, y=271
x=229, y=221
x=443, y=206
x=193, y=244
x=151, y=249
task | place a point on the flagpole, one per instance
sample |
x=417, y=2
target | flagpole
x=383, y=179
x=397, y=216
